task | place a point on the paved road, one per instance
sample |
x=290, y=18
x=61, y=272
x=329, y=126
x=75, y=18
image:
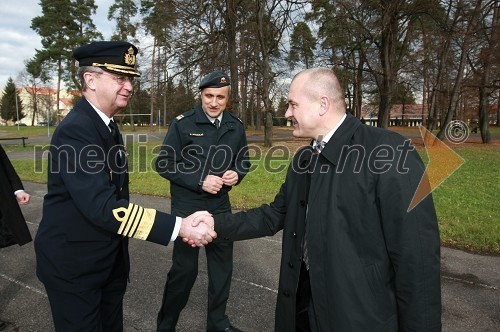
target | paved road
x=470, y=284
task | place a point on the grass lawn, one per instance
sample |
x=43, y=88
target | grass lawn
x=466, y=202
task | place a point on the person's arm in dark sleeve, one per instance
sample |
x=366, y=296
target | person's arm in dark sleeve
x=265, y=220
x=14, y=179
x=82, y=165
x=412, y=240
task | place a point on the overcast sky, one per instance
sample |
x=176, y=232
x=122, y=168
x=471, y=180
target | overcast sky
x=18, y=41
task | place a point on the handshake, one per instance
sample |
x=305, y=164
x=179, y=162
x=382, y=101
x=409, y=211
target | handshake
x=198, y=229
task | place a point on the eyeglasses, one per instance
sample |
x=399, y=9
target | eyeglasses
x=120, y=79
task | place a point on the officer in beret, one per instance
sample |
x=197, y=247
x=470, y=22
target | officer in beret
x=204, y=155
x=82, y=242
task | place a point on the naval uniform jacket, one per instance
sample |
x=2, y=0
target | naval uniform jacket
x=87, y=217
x=13, y=228
x=373, y=265
x=192, y=149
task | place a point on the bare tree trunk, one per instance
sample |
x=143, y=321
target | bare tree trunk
x=58, y=96
x=442, y=60
x=358, y=97
x=388, y=60
x=455, y=93
x=484, y=91
x=244, y=99
x=34, y=103
x=233, y=58
x=266, y=75
x=152, y=96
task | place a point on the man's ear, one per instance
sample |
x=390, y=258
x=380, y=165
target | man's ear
x=324, y=105
x=89, y=80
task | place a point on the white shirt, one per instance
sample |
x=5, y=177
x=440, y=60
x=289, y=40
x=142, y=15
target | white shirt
x=329, y=135
x=213, y=119
x=107, y=120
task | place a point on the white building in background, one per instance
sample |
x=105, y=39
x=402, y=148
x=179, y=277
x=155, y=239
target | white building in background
x=408, y=115
x=46, y=101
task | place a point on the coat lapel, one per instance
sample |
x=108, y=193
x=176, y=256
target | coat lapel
x=118, y=175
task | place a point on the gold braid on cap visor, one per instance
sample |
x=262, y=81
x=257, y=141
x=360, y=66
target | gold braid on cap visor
x=118, y=68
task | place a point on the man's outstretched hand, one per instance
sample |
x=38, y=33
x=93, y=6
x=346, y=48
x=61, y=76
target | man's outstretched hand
x=198, y=229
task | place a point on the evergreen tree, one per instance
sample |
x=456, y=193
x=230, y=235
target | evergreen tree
x=302, y=45
x=8, y=107
x=63, y=26
x=123, y=11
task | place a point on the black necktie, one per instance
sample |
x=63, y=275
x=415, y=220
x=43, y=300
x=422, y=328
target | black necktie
x=114, y=131
x=217, y=123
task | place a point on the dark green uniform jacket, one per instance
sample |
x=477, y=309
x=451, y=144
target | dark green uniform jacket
x=193, y=148
x=374, y=266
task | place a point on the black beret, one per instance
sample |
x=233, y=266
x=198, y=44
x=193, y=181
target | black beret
x=116, y=57
x=216, y=79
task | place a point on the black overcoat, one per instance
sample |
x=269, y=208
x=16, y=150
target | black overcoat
x=373, y=265
x=13, y=228
x=87, y=217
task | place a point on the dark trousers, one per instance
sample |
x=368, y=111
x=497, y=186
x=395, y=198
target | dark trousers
x=305, y=318
x=96, y=310
x=182, y=277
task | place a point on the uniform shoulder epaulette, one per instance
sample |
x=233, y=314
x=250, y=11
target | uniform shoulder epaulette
x=184, y=115
x=236, y=117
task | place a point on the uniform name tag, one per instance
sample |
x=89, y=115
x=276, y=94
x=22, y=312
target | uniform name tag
x=195, y=134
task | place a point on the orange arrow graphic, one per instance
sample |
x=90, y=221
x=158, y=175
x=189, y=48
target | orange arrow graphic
x=443, y=161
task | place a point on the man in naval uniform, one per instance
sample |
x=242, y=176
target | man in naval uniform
x=82, y=242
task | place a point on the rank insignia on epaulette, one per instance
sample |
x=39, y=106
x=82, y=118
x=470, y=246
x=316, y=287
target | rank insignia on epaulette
x=196, y=134
x=180, y=117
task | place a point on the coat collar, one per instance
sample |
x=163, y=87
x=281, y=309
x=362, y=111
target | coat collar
x=342, y=137
x=228, y=122
x=99, y=124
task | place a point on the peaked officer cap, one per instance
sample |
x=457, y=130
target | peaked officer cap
x=116, y=57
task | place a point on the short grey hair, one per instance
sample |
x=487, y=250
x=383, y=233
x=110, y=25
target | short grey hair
x=87, y=69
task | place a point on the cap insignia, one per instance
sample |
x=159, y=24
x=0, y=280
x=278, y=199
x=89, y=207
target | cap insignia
x=223, y=80
x=130, y=57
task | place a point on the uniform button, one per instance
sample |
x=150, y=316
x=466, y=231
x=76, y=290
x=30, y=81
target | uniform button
x=290, y=264
x=286, y=293
x=302, y=203
x=294, y=234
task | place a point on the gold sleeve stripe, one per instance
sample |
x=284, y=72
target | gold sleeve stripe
x=131, y=220
x=135, y=220
x=147, y=222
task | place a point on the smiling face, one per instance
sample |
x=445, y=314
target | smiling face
x=110, y=93
x=214, y=100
